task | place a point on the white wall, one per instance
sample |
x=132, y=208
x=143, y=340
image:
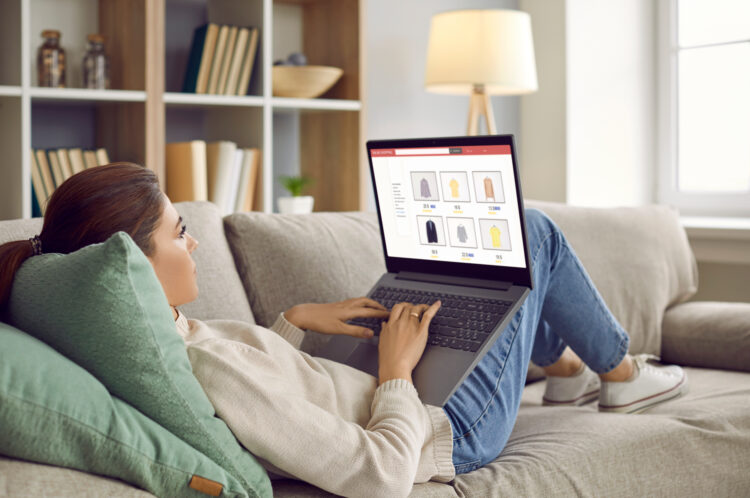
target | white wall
x=543, y=114
x=611, y=125
x=588, y=135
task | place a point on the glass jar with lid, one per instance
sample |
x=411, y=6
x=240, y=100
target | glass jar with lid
x=51, y=60
x=95, y=64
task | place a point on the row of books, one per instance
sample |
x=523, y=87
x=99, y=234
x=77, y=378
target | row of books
x=221, y=60
x=51, y=167
x=220, y=172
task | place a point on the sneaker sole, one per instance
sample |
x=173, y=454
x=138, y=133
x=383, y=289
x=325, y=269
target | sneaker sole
x=581, y=400
x=649, y=402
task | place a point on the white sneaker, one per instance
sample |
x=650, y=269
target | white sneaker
x=581, y=388
x=650, y=385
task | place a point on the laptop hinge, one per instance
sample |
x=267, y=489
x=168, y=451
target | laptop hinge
x=451, y=280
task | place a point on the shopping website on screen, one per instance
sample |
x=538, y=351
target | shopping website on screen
x=455, y=204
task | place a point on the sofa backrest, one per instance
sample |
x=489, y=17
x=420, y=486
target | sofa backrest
x=285, y=260
x=220, y=290
x=19, y=229
x=221, y=294
x=638, y=258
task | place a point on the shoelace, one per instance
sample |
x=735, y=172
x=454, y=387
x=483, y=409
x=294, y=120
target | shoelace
x=641, y=360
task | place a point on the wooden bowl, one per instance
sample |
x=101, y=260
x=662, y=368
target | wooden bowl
x=306, y=82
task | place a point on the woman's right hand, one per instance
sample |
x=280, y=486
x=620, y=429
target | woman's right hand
x=403, y=339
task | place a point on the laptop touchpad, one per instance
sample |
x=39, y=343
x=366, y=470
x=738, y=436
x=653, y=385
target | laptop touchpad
x=365, y=358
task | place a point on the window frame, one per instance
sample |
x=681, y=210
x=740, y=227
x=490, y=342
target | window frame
x=689, y=203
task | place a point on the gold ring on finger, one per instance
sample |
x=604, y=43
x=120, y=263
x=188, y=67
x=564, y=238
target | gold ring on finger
x=414, y=314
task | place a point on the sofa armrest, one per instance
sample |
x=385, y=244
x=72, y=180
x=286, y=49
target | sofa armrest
x=707, y=334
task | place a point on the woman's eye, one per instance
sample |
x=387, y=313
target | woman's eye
x=182, y=231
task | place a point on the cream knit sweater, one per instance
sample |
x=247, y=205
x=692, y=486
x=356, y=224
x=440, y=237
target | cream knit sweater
x=314, y=419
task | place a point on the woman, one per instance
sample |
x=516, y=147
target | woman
x=334, y=426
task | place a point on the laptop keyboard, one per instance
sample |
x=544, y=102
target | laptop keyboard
x=462, y=322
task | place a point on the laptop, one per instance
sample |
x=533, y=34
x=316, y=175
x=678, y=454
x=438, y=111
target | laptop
x=453, y=228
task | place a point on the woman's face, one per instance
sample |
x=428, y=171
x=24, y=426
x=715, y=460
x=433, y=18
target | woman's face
x=171, y=259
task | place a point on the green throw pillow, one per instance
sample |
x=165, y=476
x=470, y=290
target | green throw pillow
x=104, y=308
x=53, y=411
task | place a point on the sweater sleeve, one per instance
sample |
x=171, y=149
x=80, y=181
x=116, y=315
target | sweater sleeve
x=308, y=441
x=291, y=333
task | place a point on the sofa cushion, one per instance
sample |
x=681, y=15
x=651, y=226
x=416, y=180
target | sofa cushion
x=11, y=230
x=220, y=292
x=42, y=392
x=708, y=334
x=285, y=260
x=638, y=258
x=103, y=307
x=696, y=445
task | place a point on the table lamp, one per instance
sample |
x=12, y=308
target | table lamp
x=482, y=53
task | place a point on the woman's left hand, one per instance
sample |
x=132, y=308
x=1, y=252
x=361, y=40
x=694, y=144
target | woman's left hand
x=330, y=318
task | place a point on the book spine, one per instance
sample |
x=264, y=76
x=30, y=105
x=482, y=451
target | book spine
x=237, y=58
x=227, y=59
x=62, y=156
x=36, y=207
x=38, y=190
x=49, y=183
x=194, y=60
x=209, y=47
x=247, y=63
x=102, y=157
x=54, y=164
x=221, y=42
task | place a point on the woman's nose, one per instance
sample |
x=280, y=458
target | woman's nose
x=193, y=244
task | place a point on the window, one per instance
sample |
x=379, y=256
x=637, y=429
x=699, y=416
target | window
x=704, y=106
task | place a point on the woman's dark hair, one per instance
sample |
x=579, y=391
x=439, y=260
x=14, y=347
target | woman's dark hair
x=88, y=208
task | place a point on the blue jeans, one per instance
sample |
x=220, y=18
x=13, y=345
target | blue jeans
x=564, y=308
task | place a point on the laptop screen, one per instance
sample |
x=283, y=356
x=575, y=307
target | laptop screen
x=452, y=203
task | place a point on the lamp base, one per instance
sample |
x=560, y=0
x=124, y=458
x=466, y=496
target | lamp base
x=479, y=104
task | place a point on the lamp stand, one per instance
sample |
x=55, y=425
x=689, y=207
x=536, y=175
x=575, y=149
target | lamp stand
x=479, y=104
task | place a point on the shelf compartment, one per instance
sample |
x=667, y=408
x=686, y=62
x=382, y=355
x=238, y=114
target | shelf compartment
x=279, y=103
x=182, y=19
x=116, y=126
x=242, y=125
x=327, y=32
x=322, y=145
x=122, y=22
x=85, y=95
x=204, y=100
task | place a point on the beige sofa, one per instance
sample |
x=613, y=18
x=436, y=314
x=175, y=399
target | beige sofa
x=251, y=266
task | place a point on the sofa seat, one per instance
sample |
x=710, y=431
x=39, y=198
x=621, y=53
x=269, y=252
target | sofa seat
x=20, y=478
x=670, y=450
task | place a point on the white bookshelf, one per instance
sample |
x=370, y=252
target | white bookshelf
x=195, y=100
x=316, y=104
x=10, y=91
x=85, y=95
x=148, y=42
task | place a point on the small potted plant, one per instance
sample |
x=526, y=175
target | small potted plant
x=297, y=203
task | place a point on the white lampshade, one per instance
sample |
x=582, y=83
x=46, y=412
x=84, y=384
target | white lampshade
x=493, y=48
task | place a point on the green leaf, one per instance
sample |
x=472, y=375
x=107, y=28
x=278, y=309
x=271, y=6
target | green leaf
x=295, y=184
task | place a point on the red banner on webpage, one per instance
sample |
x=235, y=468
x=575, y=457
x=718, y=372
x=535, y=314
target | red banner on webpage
x=474, y=150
